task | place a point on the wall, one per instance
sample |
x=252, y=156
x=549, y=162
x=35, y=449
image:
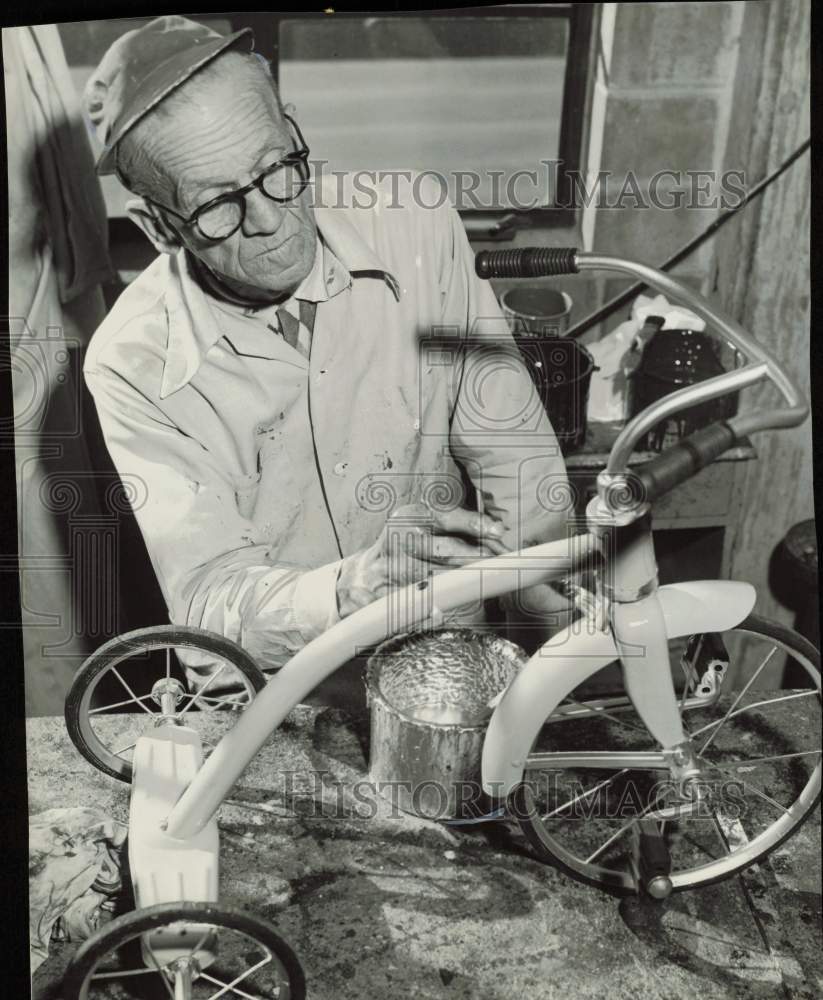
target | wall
x=761, y=276
x=662, y=98
x=662, y=102
x=720, y=86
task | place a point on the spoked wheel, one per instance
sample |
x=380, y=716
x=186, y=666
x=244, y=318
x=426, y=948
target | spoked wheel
x=137, y=680
x=757, y=753
x=185, y=951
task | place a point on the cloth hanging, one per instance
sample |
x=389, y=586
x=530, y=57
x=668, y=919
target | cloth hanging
x=46, y=126
x=57, y=258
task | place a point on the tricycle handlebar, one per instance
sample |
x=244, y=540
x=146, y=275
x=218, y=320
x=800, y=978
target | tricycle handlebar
x=760, y=364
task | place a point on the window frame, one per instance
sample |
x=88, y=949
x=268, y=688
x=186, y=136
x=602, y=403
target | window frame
x=502, y=223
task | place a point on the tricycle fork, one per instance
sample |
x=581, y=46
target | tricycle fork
x=638, y=624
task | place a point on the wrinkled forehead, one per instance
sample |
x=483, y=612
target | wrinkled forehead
x=219, y=136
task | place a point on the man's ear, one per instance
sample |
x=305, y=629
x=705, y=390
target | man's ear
x=160, y=233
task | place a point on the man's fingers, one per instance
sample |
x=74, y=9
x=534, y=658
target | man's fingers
x=444, y=536
x=400, y=573
x=423, y=547
x=445, y=549
x=441, y=549
x=467, y=522
x=496, y=546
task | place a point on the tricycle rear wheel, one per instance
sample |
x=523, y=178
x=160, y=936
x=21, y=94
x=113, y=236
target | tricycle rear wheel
x=141, y=666
x=272, y=969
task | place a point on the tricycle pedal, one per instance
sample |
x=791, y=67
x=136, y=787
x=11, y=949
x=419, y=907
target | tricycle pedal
x=652, y=861
x=704, y=662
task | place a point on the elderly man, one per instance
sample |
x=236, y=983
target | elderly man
x=306, y=379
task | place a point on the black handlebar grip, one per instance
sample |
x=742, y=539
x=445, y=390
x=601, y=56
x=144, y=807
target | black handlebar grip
x=684, y=459
x=527, y=262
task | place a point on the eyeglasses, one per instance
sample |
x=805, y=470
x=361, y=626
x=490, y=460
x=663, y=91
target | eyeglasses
x=282, y=182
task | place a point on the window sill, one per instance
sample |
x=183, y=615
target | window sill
x=503, y=225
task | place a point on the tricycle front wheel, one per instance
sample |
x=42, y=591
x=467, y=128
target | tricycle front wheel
x=757, y=750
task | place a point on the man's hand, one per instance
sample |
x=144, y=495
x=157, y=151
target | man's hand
x=415, y=543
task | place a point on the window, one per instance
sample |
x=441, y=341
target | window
x=489, y=100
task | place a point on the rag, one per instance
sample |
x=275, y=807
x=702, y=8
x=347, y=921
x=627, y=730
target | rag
x=74, y=866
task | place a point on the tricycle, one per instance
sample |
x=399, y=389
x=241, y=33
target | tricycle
x=685, y=777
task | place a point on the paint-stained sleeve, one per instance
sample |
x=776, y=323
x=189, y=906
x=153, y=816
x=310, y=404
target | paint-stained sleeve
x=211, y=572
x=499, y=429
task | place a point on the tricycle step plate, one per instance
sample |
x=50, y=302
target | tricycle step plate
x=163, y=868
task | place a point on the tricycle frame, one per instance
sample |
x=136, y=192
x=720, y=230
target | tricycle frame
x=173, y=840
x=633, y=572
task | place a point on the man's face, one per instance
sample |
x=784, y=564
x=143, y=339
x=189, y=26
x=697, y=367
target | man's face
x=223, y=139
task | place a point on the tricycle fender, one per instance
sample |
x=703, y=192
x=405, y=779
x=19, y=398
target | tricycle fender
x=705, y=605
x=577, y=652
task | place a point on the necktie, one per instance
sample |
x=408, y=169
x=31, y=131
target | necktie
x=296, y=330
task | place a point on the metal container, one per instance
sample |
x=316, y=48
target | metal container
x=429, y=697
x=561, y=369
x=671, y=360
x=536, y=311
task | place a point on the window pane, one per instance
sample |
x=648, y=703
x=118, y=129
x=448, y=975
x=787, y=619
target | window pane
x=86, y=42
x=447, y=94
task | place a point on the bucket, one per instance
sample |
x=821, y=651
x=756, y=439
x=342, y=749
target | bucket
x=428, y=695
x=536, y=311
x=561, y=369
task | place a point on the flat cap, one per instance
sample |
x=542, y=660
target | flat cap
x=142, y=68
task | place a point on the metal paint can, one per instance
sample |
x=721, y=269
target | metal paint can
x=536, y=311
x=429, y=695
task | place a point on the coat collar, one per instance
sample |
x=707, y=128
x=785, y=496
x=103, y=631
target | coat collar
x=192, y=325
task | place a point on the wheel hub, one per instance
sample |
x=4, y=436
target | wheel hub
x=183, y=972
x=683, y=764
x=167, y=692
